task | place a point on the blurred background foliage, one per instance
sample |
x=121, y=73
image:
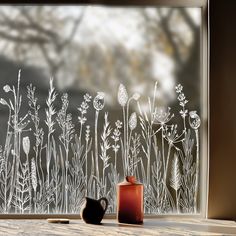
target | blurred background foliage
x=87, y=49
x=95, y=48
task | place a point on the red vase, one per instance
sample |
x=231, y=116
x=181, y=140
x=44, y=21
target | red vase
x=130, y=201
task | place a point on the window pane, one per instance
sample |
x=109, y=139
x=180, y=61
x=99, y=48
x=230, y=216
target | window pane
x=125, y=99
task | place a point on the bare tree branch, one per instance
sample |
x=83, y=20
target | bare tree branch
x=22, y=28
x=36, y=26
x=30, y=39
x=75, y=27
x=189, y=21
x=164, y=19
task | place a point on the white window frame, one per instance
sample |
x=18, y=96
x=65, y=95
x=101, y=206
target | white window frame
x=204, y=163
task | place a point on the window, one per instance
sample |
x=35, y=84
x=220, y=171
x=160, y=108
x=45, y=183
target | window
x=95, y=93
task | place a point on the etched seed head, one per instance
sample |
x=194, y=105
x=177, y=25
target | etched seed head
x=26, y=145
x=162, y=115
x=136, y=96
x=3, y=101
x=7, y=88
x=99, y=101
x=133, y=121
x=122, y=95
x=194, y=120
x=33, y=174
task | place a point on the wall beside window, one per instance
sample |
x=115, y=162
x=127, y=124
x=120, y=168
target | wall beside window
x=222, y=188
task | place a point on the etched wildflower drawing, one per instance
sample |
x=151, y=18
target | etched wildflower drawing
x=48, y=165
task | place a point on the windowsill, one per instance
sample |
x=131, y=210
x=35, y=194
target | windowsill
x=111, y=227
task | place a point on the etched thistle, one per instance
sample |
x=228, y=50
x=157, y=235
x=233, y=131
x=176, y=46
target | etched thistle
x=98, y=101
x=194, y=120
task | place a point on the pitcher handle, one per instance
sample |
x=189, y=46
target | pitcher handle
x=106, y=203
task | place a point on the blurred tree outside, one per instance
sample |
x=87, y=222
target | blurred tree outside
x=87, y=47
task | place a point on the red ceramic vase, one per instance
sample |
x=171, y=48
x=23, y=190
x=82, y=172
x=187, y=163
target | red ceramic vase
x=130, y=201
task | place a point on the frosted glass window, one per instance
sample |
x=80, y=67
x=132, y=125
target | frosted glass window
x=91, y=94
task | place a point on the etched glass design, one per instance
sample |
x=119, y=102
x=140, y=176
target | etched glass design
x=125, y=100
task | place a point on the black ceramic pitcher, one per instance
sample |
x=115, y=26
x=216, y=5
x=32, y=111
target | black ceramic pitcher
x=93, y=210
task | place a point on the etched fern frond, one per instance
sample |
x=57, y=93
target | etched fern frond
x=105, y=144
x=21, y=198
x=45, y=197
x=50, y=110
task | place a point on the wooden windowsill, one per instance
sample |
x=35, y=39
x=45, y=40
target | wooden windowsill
x=111, y=227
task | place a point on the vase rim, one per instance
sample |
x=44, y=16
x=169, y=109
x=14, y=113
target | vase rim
x=129, y=181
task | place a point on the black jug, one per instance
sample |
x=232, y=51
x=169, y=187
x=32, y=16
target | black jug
x=92, y=211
